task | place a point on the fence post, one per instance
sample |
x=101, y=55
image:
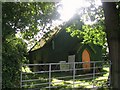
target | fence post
x=110, y=63
x=93, y=74
x=21, y=76
x=73, y=74
x=49, y=76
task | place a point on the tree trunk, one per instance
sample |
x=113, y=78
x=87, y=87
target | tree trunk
x=113, y=36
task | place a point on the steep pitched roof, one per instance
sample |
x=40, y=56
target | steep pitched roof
x=45, y=39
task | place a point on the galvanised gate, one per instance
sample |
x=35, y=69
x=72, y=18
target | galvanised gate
x=66, y=75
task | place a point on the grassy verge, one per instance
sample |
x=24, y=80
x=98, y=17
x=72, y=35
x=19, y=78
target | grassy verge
x=64, y=80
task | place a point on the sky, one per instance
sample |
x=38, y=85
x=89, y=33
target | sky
x=70, y=7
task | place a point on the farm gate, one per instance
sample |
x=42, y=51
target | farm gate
x=65, y=75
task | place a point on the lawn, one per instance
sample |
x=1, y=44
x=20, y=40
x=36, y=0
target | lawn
x=65, y=80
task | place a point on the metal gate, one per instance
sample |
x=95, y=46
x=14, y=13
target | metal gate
x=65, y=75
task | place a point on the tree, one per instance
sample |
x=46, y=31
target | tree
x=93, y=33
x=24, y=18
x=112, y=21
x=112, y=24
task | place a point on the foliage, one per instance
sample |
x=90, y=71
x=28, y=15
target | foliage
x=26, y=69
x=24, y=18
x=13, y=53
x=92, y=32
x=29, y=19
x=89, y=33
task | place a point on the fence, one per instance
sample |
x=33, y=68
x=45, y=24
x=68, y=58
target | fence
x=65, y=75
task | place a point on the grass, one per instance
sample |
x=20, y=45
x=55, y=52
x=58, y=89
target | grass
x=65, y=83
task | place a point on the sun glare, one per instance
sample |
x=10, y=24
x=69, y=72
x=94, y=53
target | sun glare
x=70, y=7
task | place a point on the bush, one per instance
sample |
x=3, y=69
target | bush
x=13, y=54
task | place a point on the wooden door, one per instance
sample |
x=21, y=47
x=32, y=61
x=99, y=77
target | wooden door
x=86, y=58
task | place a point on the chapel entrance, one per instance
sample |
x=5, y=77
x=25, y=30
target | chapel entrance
x=86, y=59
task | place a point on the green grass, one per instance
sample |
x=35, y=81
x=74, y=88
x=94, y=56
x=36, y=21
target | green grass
x=64, y=83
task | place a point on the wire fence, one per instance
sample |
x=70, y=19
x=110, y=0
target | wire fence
x=66, y=75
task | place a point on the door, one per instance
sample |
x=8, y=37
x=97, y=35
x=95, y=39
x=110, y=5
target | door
x=86, y=59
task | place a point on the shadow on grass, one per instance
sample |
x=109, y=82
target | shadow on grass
x=58, y=83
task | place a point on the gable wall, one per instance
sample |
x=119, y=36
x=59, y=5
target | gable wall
x=95, y=53
x=64, y=44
